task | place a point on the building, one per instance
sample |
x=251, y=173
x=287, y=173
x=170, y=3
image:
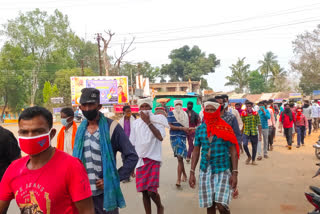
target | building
x=176, y=88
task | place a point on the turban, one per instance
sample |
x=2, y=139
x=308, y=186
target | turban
x=177, y=102
x=214, y=104
x=145, y=101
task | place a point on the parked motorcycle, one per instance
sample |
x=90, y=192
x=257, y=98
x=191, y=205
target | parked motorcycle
x=314, y=197
x=317, y=148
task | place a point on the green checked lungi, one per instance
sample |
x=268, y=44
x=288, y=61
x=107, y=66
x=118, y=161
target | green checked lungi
x=214, y=188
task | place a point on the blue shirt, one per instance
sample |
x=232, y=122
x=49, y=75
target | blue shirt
x=215, y=154
x=175, y=133
x=264, y=118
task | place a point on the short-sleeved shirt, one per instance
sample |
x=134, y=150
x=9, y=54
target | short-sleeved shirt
x=251, y=123
x=173, y=121
x=93, y=161
x=219, y=151
x=51, y=189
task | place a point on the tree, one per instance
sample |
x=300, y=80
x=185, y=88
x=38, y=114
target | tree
x=307, y=60
x=143, y=68
x=62, y=80
x=256, y=82
x=267, y=64
x=239, y=76
x=46, y=39
x=190, y=64
x=14, y=88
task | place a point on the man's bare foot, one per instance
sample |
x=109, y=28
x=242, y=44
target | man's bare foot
x=184, y=178
x=178, y=184
x=160, y=210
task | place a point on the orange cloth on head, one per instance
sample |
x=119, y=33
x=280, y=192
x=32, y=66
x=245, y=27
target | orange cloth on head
x=220, y=128
x=60, y=138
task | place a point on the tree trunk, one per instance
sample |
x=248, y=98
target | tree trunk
x=4, y=107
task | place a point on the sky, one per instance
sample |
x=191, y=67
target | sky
x=229, y=29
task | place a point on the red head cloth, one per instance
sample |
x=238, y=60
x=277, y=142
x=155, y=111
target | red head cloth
x=217, y=126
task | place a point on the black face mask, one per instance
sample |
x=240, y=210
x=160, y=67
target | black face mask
x=91, y=114
x=190, y=108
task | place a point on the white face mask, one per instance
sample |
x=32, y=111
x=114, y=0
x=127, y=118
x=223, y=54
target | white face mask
x=226, y=105
x=149, y=112
x=178, y=107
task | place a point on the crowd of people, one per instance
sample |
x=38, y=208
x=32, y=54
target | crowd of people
x=80, y=174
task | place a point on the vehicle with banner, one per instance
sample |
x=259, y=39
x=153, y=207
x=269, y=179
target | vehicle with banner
x=113, y=89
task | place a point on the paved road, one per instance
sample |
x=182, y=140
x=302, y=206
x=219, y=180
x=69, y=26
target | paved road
x=275, y=186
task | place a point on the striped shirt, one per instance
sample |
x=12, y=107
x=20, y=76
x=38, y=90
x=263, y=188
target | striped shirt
x=92, y=155
x=173, y=121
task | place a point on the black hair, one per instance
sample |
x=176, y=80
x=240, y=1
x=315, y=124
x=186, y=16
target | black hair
x=67, y=111
x=270, y=101
x=224, y=96
x=218, y=97
x=120, y=86
x=291, y=105
x=286, y=104
x=125, y=108
x=248, y=102
x=191, y=103
x=32, y=112
x=238, y=104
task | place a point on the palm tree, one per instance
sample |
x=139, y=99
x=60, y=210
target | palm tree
x=239, y=77
x=268, y=63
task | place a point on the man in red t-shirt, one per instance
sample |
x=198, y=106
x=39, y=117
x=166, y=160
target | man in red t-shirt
x=287, y=118
x=48, y=180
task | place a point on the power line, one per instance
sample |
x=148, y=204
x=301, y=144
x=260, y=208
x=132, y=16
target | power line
x=267, y=15
x=224, y=34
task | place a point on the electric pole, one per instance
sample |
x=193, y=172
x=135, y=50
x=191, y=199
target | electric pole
x=100, y=62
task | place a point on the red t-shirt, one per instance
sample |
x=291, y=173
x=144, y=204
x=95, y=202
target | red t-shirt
x=51, y=189
x=286, y=121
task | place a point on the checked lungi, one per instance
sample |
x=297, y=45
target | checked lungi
x=147, y=176
x=179, y=146
x=214, y=188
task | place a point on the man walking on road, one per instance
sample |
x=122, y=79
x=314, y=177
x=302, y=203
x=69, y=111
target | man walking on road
x=272, y=129
x=315, y=115
x=47, y=180
x=228, y=117
x=287, y=119
x=98, y=140
x=179, y=128
x=307, y=111
x=252, y=125
x=301, y=125
x=147, y=135
x=217, y=142
x=264, y=115
x=194, y=121
x=67, y=134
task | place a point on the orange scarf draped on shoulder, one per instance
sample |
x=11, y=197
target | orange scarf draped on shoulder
x=60, y=138
x=220, y=128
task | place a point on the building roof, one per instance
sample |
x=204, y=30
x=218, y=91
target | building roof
x=253, y=97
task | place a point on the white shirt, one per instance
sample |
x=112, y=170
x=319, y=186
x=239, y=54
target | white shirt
x=144, y=141
x=68, y=141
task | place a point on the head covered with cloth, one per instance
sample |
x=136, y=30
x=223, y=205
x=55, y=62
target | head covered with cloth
x=215, y=125
x=180, y=115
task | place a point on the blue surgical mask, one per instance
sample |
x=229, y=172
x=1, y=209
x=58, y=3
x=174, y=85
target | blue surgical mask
x=64, y=121
x=226, y=105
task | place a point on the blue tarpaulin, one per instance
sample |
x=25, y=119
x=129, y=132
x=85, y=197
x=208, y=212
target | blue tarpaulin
x=237, y=100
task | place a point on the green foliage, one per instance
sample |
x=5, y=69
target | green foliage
x=190, y=64
x=144, y=68
x=239, y=76
x=51, y=45
x=307, y=63
x=46, y=91
x=14, y=86
x=256, y=82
